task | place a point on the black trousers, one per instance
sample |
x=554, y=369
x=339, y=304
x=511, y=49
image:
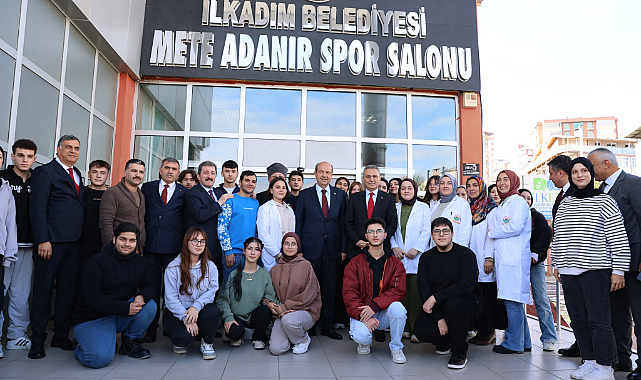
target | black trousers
x=625, y=307
x=326, y=269
x=61, y=269
x=157, y=264
x=208, y=321
x=587, y=298
x=260, y=318
x=340, y=312
x=459, y=312
x=494, y=315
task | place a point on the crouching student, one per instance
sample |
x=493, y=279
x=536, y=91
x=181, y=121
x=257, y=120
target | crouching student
x=115, y=298
x=298, y=290
x=373, y=289
x=452, y=300
x=191, y=282
x=248, y=298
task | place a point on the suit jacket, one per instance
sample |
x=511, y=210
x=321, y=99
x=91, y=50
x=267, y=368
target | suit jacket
x=625, y=192
x=55, y=208
x=202, y=211
x=356, y=216
x=164, y=223
x=315, y=230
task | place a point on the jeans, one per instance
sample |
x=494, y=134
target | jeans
x=542, y=303
x=393, y=317
x=517, y=334
x=227, y=271
x=97, y=338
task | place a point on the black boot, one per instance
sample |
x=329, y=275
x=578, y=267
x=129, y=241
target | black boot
x=132, y=348
x=571, y=352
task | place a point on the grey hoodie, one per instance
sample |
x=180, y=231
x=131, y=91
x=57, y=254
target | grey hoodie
x=9, y=229
x=179, y=303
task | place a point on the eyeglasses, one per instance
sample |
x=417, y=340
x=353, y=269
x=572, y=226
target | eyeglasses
x=288, y=244
x=375, y=232
x=197, y=242
x=444, y=231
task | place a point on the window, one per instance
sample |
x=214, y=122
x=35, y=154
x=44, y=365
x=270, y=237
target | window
x=433, y=118
x=153, y=149
x=215, y=109
x=217, y=150
x=161, y=107
x=432, y=160
x=261, y=153
x=590, y=125
x=625, y=162
x=80, y=62
x=44, y=36
x=106, y=88
x=633, y=162
x=75, y=121
x=384, y=116
x=7, y=66
x=273, y=111
x=566, y=127
x=566, y=133
x=342, y=155
x=390, y=158
x=331, y=113
x=9, y=19
x=590, y=133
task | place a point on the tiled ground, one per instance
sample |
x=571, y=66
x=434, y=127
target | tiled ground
x=326, y=359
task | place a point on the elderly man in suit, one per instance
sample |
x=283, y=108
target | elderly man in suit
x=320, y=212
x=164, y=219
x=624, y=188
x=56, y=220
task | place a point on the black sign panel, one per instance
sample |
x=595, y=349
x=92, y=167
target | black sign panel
x=424, y=44
x=471, y=169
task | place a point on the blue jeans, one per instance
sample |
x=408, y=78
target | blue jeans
x=542, y=303
x=226, y=271
x=97, y=338
x=517, y=334
x=393, y=317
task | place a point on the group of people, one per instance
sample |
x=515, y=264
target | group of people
x=277, y=266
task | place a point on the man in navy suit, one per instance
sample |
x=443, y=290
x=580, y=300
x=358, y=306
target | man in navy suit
x=56, y=221
x=320, y=210
x=164, y=222
x=203, y=204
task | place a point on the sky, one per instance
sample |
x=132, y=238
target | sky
x=555, y=59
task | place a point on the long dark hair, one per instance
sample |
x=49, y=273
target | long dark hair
x=236, y=282
x=185, y=261
x=428, y=197
x=269, y=196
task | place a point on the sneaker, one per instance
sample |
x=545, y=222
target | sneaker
x=133, y=349
x=258, y=345
x=236, y=343
x=414, y=339
x=471, y=334
x=548, y=346
x=457, y=361
x=22, y=343
x=1, y=352
x=207, y=350
x=600, y=372
x=301, y=348
x=584, y=369
x=363, y=349
x=180, y=350
x=442, y=350
x=339, y=326
x=398, y=356
x=406, y=335
x=249, y=333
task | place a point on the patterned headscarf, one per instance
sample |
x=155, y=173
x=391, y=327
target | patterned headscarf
x=515, y=184
x=483, y=204
x=448, y=198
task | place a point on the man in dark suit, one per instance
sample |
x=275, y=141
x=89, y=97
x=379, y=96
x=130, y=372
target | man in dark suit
x=624, y=188
x=320, y=212
x=56, y=221
x=202, y=206
x=164, y=222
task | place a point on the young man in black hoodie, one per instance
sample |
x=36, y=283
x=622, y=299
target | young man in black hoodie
x=18, y=273
x=116, y=297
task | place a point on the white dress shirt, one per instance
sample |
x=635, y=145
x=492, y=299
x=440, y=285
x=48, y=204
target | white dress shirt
x=609, y=182
x=76, y=177
x=367, y=193
x=170, y=189
x=320, y=195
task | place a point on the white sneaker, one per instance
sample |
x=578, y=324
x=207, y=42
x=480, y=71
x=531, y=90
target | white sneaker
x=339, y=326
x=249, y=333
x=548, y=346
x=363, y=349
x=301, y=348
x=180, y=350
x=22, y=343
x=258, y=345
x=584, y=369
x=207, y=350
x=1, y=352
x=236, y=343
x=600, y=372
x=398, y=356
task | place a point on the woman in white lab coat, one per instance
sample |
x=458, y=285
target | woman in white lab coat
x=454, y=208
x=408, y=243
x=275, y=219
x=493, y=316
x=511, y=227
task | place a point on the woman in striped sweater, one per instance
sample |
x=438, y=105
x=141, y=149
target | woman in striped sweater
x=590, y=253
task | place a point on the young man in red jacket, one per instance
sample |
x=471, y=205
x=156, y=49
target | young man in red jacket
x=373, y=288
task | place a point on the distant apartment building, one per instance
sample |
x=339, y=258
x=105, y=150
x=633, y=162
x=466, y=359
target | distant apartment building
x=488, y=155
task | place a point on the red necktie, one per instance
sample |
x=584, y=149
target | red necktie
x=211, y=194
x=70, y=170
x=557, y=202
x=370, y=205
x=325, y=206
x=163, y=196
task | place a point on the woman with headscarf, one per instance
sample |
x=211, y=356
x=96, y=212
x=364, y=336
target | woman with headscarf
x=493, y=315
x=455, y=209
x=590, y=254
x=510, y=227
x=408, y=243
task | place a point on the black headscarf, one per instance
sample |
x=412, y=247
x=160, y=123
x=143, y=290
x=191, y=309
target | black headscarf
x=409, y=202
x=589, y=190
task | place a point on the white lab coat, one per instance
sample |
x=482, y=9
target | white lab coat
x=483, y=247
x=270, y=231
x=458, y=212
x=511, y=227
x=417, y=234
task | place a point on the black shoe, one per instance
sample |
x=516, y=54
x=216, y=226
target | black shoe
x=379, y=335
x=442, y=350
x=527, y=349
x=503, y=350
x=635, y=375
x=457, y=361
x=622, y=367
x=570, y=352
x=150, y=336
x=331, y=333
x=132, y=348
x=63, y=343
x=37, y=351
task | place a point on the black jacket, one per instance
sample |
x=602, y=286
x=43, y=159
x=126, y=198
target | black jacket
x=21, y=191
x=164, y=222
x=541, y=236
x=356, y=216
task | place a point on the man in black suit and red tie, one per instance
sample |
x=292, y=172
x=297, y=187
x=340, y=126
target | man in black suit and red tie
x=320, y=211
x=56, y=220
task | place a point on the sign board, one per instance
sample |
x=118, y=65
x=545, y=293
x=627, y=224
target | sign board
x=424, y=44
x=471, y=169
x=544, y=193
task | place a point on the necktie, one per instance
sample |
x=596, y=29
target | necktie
x=370, y=205
x=163, y=196
x=557, y=202
x=325, y=206
x=602, y=186
x=211, y=194
x=70, y=170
